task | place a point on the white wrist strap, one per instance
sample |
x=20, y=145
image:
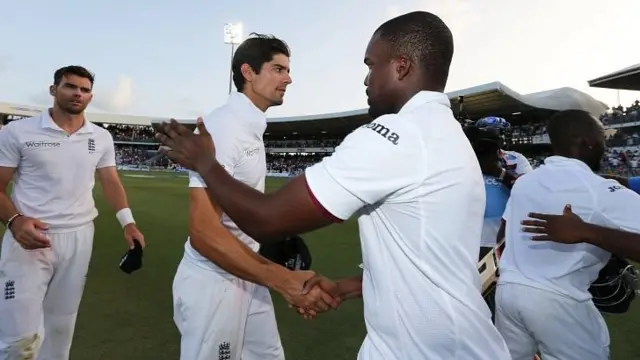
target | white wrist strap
x=125, y=217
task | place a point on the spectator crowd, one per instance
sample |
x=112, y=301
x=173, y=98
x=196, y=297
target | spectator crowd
x=622, y=157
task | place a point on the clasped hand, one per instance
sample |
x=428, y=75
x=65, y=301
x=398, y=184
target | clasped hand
x=315, y=295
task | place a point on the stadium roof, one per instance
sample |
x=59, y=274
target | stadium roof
x=625, y=79
x=28, y=110
x=494, y=99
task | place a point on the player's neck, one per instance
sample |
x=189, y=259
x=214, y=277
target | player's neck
x=70, y=123
x=257, y=100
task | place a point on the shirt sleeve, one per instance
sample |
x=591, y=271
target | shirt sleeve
x=524, y=166
x=108, y=158
x=372, y=162
x=617, y=207
x=634, y=183
x=10, y=152
x=227, y=152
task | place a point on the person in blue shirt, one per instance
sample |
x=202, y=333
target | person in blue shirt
x=487, y=144
x=633, y=183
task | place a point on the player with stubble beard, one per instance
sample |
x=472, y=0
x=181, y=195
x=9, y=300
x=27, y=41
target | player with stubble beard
x=53, y=159
x=222, y=304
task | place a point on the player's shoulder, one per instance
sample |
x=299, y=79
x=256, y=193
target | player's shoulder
x=100, y=131
x=525, y=180
x=604, y=186
x=220, y=118
x=21, y=129
x=387, y=131
x=25, y=123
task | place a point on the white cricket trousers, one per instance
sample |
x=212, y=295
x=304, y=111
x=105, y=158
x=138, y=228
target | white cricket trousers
x=222, y=317
x=561, y=328
x=42, y=292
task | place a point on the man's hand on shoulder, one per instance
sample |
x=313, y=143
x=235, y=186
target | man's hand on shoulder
x=567, y=228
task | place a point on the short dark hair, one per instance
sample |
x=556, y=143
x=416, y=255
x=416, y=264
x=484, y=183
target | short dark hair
x=564, y=127
x=425, y=39
x=72, y=70
x=255, y=51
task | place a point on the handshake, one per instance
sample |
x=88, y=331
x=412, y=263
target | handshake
x=309, y=293
x=312, y=294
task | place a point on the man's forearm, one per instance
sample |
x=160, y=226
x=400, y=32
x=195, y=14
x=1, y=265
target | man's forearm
x=7, y=209
x=223, y=249
x=350, y=288
x=115, y=195
x=623, y=243
x=246, y=206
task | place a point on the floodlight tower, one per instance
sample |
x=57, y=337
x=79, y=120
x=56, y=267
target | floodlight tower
x=232, y=36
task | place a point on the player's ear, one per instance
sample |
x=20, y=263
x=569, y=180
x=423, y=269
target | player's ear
x=247, y=72
x=52, y=90
x=403, y=65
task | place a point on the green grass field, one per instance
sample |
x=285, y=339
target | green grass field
x=130, y=317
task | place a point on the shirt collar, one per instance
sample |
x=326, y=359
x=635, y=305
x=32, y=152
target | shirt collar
x=46, y=122
x=251, y=115
x=557, y=160
x=424, y=97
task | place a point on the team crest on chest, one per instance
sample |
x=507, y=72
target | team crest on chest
x=91, y=146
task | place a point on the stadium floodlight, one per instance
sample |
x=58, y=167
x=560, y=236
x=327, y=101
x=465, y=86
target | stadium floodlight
x=232, y=36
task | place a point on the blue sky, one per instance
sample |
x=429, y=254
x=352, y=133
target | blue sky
x=167, y=57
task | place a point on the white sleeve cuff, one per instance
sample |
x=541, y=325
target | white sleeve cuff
x=195, y=180
x=330, y=194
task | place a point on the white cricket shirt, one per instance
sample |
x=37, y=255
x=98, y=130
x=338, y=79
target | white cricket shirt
x=237, y=129
x=420, y=215
x=564, y=269
x=55, y=171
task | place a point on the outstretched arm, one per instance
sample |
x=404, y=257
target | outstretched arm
x=355, y=175
x=266, y=217
x=613, y=226
x=615, y=241
x=212, y=240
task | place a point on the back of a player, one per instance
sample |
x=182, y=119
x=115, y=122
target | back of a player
x=421, y=270
x=528, y=292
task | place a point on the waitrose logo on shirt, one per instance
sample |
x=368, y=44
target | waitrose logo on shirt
x=42, y=144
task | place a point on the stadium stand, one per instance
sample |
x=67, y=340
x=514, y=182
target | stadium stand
x=624, y=79
x=622, y=123
x=293, y=143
